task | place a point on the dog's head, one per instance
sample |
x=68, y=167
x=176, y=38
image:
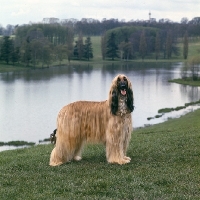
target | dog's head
x=121, y=85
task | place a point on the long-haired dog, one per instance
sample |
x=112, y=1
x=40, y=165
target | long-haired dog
x=108, y=122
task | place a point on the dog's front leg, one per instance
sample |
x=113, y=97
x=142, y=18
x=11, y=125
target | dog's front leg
x=115, y=143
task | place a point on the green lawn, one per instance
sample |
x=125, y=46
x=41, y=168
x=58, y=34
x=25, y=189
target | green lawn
x=187, y=81
x=96, y=44
x=165, y=165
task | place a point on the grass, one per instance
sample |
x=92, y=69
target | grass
x=186, y=81
x=17, y=143
x=10, y=68
x=167, y=110
x=165, y=165
x=192, y=103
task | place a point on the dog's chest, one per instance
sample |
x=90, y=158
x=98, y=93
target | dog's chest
x=122, y=106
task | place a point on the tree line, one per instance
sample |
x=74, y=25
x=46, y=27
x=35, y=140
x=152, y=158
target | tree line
x=96, y=27
x=90, y=26
x=133, y=42
x=43, y=44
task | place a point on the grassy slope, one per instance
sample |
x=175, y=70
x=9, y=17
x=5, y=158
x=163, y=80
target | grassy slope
x=165, y=165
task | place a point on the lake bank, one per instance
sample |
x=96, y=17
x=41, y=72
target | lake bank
x=20, y=67
x=187, y=81
x=165, y=165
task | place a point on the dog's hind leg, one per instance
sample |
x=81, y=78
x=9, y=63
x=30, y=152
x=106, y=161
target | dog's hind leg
x=61, y=153
x=78, y=152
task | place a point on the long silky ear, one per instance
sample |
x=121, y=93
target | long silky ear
x=130, y=99
x=114, y=102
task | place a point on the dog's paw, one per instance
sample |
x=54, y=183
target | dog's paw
x=53, y=164
x=120, y=162
x=127, y=158
x=123, y=161
x=77, y=158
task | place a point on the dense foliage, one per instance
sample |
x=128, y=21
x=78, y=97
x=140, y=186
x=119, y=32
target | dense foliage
x=89, y=26
x=39, y=43
x=138, y=41
x=45, y=43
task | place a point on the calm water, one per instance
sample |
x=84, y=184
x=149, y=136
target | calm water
x=31, y=100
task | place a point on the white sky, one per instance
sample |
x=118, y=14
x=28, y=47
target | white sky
x=23, y=11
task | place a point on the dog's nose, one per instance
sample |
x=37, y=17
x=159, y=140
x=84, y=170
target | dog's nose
x=123, y=86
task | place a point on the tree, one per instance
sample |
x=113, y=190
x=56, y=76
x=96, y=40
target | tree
x=69, y=42
x=79, y=48
x=112, y=49
x=184, y=20
x=27, y=52
x=103, y=46
x=15, y=52
x=143, y=45
x=126, y=50
x=37, y=37
x=194, y=64
x=61, y=52
x=36, y=51
x=169, y=44
x=9, y=30
x=76, y=50
x=6, y=49
x=69, y=51
x=46, y=56
x=185, y=45
x=157, y=45
x=88, y=51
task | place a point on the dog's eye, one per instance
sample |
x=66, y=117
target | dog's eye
x=118, y=79
x=125, y=79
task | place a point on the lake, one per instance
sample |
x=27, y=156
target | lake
x=30, y=100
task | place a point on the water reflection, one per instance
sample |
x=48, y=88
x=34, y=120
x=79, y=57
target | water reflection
x=31, y=100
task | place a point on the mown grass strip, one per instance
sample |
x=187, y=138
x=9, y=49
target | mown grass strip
x=17, y=143
x=187, y=81
x=165, y=110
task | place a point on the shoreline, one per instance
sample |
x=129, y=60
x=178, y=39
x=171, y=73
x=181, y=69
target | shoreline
x=20, y=67
x=25, y=144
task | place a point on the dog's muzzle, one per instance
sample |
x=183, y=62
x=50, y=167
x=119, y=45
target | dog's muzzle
x=123, y=89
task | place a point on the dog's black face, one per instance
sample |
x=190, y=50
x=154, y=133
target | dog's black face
x=123, y=89
x=122, y=85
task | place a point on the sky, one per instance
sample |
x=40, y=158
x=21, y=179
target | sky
x=24, y=11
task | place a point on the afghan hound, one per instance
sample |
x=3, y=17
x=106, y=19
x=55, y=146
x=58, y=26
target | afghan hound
x=108, y=122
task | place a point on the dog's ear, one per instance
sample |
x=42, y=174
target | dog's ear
x=114, y=102
x=130, y=99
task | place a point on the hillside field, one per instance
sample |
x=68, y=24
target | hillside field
x=165, y=165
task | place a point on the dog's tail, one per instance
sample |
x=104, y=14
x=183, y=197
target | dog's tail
x=53, y=137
